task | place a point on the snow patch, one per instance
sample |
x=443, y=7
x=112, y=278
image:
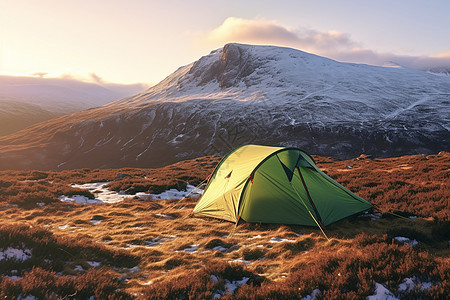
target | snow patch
x=381, y=293
x=407, y=285
x=177, y=139
x=220, y=248
x=79, y=199
x=15, y=254
x=103, y=195
x=192, y=248
x=155, y=242
x=240, y=260
x=78, y=268
x=28, y=297
x=59, y=165
x=372, y=216
x=406, y=240
x=312, y=296
x=94, y=263
x=176, y=194
x=231, y=286
x=280, y=240
x=144, y=196
x=255, y=237
x=425, y=286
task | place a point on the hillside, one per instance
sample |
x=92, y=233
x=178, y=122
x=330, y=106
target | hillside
x=243, y=94
x=15, y=116
x=149, y=248
x=25, y=101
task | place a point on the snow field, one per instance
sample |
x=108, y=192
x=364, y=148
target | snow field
x=103, y=195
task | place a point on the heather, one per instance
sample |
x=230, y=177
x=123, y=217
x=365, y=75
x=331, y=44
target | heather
x=156, y=249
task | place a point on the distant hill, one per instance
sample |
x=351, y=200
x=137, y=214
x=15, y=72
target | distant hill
x=25, y=101
x=15, y=116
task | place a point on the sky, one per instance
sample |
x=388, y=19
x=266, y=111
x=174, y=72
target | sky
x=143, y=41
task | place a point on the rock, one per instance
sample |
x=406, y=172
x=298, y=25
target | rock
x=364, y=157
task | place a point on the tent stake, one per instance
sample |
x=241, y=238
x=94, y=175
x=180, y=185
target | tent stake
x=388, y=212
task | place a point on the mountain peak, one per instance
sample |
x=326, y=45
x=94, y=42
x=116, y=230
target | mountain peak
x=231, y=69
x=227, y=66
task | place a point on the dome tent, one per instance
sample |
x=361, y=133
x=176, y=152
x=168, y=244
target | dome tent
x=262, y=184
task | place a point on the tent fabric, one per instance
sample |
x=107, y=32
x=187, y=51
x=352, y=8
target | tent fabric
x=265, y=184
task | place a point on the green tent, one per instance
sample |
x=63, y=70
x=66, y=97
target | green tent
x=263, y=184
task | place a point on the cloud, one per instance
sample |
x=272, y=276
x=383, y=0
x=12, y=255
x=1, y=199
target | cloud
x=95, y=78
x=254, y=31
x=270, y=32
x=333, y=44
x=39, y=74
x=435, y=63
x=445, y=54
x=325, y=41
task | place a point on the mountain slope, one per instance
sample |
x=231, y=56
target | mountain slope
x=248, y=94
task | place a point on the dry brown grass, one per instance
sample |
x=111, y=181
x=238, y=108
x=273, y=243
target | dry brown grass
x=360, y=252
x=416, y=184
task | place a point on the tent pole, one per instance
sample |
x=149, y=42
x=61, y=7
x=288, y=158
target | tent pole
x=309, y=196
x=318, y=222
x=318, y=225
x=312, y=216
x=234, y=228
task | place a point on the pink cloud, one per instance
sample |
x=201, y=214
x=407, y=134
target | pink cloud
x=253, y=31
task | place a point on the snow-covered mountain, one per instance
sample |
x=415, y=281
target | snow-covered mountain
x=28, y=100
x=243, y=94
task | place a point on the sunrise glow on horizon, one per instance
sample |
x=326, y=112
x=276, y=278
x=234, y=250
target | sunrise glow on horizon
x=145, y=41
